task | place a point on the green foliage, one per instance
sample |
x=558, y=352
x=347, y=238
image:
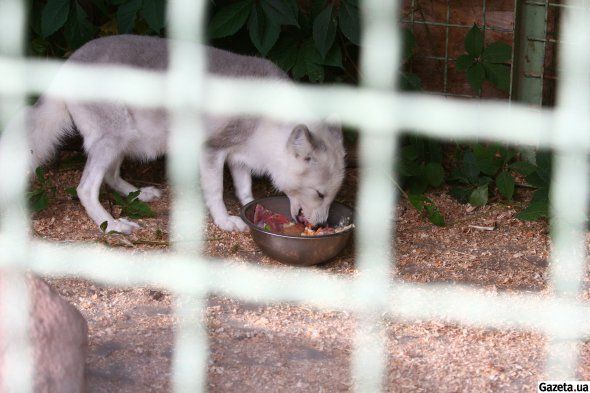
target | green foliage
x=61, y=26
x=72, y=192
x=39, y=197
x=485, y=63
x=103, y=228
x=482, y=170
x=538, y=176
x=426, y=206
x=420, y=164
x=132, y=207
x=305, y=41
x=420, y=167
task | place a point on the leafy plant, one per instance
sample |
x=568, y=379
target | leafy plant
x=538, y=176
x=426, y=206
x=482, y=170
x=60, y=26
x=44, y=187
x=420, y=164
x=420, y=167
x=485, y=63
x=302, y=40
x=103, y=229
x=132, y=207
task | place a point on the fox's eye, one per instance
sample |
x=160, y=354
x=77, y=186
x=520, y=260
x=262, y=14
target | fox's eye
x=320, y=195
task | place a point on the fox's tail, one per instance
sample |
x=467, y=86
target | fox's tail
x=46, y=123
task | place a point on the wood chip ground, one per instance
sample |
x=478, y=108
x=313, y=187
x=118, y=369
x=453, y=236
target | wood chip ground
x=294, y=348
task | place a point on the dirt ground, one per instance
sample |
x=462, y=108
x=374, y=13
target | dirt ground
x=292, y=348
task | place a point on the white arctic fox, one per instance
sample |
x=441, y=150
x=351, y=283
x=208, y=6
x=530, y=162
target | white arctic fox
x=306, y=163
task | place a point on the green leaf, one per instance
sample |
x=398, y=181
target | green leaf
x=541, y=195
x=497, y=52
x=417, y=201
x=54, y=16
x=131, y=206
x=461, y=194
x=101, y=7
x=133, y=195
x=409, y=153
x=417, y=184
x=153, y=12
x=534, y=211
x=228, y=20
x=544, y=164
x=505, y=184
x=476, y=74
x=308, y=63
x=525, y=168
x=324, y=30
x=78, y=30
x=38, y=200
x=349, y=21
x=498, y=75
x=464, y=62
x=424, y=204
x=72, y=192
x=280, y=12
x=434, y=173
x=474, y=42
x=507, y=154
x=264, y=33
x=284, y=53
x=126, y=15
x=435, y=150
x=40, y=175
x=334, y=57
x=489, y=165
x=118, y=199
x=535, y=180
x=479, y=196
x=434, y=214
x=470, y=167
x=103, y=226
x=482, y=150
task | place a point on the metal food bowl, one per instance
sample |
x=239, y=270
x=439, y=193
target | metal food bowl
x=298, y=250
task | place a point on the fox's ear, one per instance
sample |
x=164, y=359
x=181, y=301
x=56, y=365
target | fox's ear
x=301, y=142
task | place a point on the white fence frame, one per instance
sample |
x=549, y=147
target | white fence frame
x=381, y=113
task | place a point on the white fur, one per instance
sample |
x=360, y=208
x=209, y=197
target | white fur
x=303, y=164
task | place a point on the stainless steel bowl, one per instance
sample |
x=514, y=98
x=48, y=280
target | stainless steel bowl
x=298, y=250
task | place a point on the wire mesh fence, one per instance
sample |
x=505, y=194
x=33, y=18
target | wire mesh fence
x=381, y=113
x=440, y=29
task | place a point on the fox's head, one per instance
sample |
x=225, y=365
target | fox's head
x=315, y=161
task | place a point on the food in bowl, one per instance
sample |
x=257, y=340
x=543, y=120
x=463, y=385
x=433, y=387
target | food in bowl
x=281, y=224
x=298, y=250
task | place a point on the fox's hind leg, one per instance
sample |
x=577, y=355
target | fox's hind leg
x=114, y=180
x=99, y=161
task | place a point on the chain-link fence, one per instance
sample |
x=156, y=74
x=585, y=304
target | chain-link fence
x=381, y=114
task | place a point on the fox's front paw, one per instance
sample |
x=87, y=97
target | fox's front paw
x=232, y=224
x=148, y=194
x=121, y=225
